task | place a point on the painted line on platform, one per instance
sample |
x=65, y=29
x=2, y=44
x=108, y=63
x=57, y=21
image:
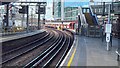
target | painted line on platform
x=68, y=53
x=71, y=58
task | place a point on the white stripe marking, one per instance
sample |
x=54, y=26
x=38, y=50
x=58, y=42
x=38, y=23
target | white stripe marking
x=68, y=53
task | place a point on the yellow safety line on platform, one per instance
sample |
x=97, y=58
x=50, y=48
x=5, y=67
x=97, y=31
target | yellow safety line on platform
x=71, y=58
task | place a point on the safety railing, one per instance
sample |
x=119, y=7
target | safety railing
x=96, y=19
x=82, y=17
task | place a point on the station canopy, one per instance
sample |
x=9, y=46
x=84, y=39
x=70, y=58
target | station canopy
x=7, y=1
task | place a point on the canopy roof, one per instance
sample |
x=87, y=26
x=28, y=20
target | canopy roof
x=8, y=0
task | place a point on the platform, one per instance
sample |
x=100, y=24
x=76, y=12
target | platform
x=19, y=35
x=88, y=51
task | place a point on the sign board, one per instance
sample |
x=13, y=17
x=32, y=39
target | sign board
x=108, y=28
x=42, y=10
x=108, y=37
x=24, y=10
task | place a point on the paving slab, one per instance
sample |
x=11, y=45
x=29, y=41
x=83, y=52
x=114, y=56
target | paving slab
x=92, y=52
x=21, y=35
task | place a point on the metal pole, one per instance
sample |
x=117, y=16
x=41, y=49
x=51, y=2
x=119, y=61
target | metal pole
x=31, y=16
x=27, y=18
x=111, y=20
x=108, y=46
x=23, y=16
x=103, y=30
x=32, y=19
x=103, y=20
x=79, y=24
x=38, y=16
x=7, y=16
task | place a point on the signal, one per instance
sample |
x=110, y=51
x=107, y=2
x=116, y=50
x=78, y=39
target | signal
x=24, y=10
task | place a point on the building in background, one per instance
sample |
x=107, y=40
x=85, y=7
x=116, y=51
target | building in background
x=71, y=10
x=57, y=9
x=70, y=13
x=67, y=10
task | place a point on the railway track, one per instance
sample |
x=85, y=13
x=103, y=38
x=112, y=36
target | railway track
x=54, y=55
x=50, y=50
x=11, y=55
x=42, y=56
x=16, y=49
x=16, y=43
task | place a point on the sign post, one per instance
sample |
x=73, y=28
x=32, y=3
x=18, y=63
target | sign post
x=103, y=17
x=108, y=30
x=40, y=10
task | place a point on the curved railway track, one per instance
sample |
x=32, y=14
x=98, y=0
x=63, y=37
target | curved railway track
x=23, y=46
x=44, y=55
x=54, y=55
x=11, y=55
x=49, y=50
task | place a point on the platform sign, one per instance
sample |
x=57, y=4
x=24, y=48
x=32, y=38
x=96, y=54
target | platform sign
x=108, y=28
x=42, y=10
x=24, y=9
x=108, y=37
x=108, y=32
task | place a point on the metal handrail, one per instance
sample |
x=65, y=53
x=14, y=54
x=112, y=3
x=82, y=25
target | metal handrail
x=93, y=14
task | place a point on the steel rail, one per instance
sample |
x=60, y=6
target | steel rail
x=63, y=40
x=52, y=50
x=26, y=44
x=65, y=52
x=25, y=47
x=63, y=43
x=68, y=44
x=28, y=50
x=30, y=64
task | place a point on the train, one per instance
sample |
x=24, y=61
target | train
x=69, y=25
